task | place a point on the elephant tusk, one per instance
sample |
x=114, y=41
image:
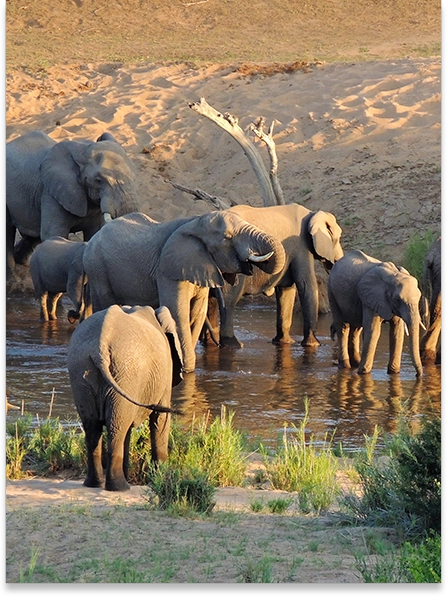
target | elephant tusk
x=423, y=326
x=406, y=329
x=107, y=217
x=261, y=258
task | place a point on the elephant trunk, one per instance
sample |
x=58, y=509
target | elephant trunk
x=413, y=321
x=259, y=248
x=120, y=201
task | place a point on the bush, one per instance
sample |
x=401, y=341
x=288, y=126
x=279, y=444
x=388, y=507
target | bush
x=415, y=253
x=406, y=491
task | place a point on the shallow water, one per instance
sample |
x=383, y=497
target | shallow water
x=264, y=385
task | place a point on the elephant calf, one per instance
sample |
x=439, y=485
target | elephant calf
x=56, y=267
x=123, y=363
x=364, y=292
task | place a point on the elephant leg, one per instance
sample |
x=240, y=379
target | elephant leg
x=285, y=302
x=231, y=296
x=396, y=335
x=199, y=306
x=307, y=286
x=355, y=334
x=10, y=239
x=44, y=316
x=343, y=346
x=372, y=327
x=93, y=442
x=159, y=425
x=115, y=476
x=53, y=299
x=24, y=248
x=429, y=343
x=212, y=318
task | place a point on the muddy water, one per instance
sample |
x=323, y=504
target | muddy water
x=264, y=385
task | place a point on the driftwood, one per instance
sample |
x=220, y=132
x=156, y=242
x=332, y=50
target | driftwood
x=230, y=124
x=258, y=129
x=201, y=195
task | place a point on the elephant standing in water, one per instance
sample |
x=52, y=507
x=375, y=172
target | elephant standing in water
x=136, y=260
x=56, y=267
x=430, y=348
x=53, y=189
x=306, y=236
x=364, y=292
x=123, y=363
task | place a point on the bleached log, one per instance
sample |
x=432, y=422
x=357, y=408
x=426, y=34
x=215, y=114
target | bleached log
x=230, y=124
x=258, y=129
x=217, y=202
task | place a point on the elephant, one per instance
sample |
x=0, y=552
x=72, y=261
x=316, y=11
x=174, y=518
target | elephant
x=122, y=364
x=53, y=189
x=56, y=267
x=431, y=290
x=364, y=292
x=136, y=260
x=306, y=236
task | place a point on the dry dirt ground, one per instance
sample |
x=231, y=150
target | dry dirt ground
x=354, y=89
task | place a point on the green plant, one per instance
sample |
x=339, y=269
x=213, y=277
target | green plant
x=279, y=505
x=257, y=573
x=415, y=252
x=423, y=561
x=182, y=491
x=15, y=453
x=216, y=449
x=404, y=492
x=299, y=466
x=257, y=505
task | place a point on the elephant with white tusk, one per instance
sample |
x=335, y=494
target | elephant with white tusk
x=123, y=363
x=364, y=292
x=136, y=260
x=305, y=236
x=53, y=189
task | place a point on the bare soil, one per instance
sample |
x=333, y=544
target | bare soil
x=354, y=88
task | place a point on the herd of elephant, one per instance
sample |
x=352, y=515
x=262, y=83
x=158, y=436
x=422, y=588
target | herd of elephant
x=142, y=289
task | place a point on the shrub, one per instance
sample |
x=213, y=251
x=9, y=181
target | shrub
x=415, y=252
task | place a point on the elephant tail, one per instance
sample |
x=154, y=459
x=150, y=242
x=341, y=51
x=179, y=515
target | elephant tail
x=104, y=367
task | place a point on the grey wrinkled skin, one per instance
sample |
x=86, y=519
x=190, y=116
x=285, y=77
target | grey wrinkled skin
x=363, y=293
x=119, y=360
x=136, y=260
x=53, y=189
x=306, y=236
x=56, y=268
x=431, y=289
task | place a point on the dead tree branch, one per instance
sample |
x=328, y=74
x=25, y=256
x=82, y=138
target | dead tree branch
x=258, y=129
x=201, y=195
x=230, y=124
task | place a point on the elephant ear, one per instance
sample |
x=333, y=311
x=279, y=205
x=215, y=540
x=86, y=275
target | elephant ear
x=322, y=227
x=373, y=290
x=60, y=176
x=106, y=136
x=168, y=325
x=186, y=258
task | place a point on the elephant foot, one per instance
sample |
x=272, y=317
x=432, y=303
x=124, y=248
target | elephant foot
x=428, y=357
x=344, y=365
x=310, y=342
x=285, y=339
x=117, y=485
x=93, y=482
x=231, y=342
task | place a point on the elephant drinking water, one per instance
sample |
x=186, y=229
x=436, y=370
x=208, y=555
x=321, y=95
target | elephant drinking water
x=364, y=292
x=136, y=260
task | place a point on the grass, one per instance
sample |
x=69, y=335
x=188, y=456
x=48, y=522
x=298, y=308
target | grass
x=414, y=256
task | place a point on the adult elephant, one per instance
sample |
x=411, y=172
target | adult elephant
x=364, y=292
x=431, y=289
x=53, y=189
x=136, y=260
x=56, y=267
x=123, y=363
x=306, y=236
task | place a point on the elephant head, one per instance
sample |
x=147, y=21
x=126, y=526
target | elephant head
x=216, y=247
x=79, y=172
x=391, y=291
x=325, y=233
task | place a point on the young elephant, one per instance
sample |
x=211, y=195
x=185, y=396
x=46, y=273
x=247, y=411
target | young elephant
x=56, y=267
x=123, y=363
x=430, y=348
x=364, y=292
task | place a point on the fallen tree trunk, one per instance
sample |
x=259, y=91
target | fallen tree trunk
x=204, y=196
x=230, y=124
x=258, y=129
